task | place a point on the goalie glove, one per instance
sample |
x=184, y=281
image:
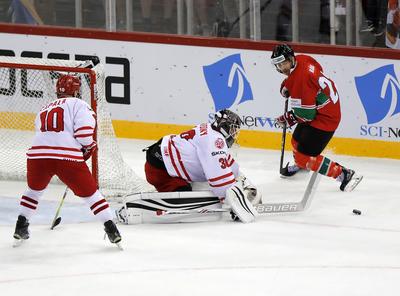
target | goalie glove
x=89, y=150
x=241, y=207
x=288, y=118
x=252, y=193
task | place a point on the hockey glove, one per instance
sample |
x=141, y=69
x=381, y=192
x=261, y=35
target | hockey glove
x=284, y=91
x=289, y=118
x=88, y=150
x=253, y=194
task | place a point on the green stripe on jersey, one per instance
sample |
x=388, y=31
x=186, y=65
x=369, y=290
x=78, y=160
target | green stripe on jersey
x=321, y=98
x=305, y=114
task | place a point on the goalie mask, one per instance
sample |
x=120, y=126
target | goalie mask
x=280, y=54
x=68, y=86
x=228, y=124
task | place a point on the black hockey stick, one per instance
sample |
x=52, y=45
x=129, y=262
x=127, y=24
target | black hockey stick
x=283, y=142
x=57, y=219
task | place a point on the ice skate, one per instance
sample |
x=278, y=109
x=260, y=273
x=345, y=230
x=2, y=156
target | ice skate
x=112, y=232
x=349, y=180
x=289, y=170
x=21, y=231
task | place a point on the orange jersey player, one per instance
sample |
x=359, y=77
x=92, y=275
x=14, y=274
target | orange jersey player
x=315, y=108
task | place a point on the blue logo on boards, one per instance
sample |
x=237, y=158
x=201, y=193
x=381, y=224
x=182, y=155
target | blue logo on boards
x=227, y=82
x=378, y=91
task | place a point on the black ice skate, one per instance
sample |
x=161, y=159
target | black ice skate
x=21, y=230
x=349, y=180
x=289, y=170
x=112, y=232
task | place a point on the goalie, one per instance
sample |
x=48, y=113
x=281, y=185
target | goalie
x=176, y=162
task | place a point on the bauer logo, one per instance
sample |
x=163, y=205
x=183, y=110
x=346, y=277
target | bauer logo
x=378, y=91
x=227, y=82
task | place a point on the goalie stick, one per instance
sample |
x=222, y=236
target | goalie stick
x=266, y=208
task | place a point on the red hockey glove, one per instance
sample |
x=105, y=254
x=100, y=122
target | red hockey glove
x=88, y=150
x=289, y=118
x=284, y=91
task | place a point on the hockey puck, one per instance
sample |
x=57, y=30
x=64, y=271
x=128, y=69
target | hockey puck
x=357, y=212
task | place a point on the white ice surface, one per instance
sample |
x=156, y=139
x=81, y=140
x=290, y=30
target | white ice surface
x=326, y=250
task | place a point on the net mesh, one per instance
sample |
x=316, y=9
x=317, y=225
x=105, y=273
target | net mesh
x=24, y=91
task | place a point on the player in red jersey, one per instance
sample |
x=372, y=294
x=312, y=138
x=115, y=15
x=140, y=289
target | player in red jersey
x=315, y=108
x=63, y=141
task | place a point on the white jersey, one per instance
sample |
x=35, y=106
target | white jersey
x=200, y=155
x=63, y=128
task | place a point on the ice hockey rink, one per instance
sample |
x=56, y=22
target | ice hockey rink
x=325, y=250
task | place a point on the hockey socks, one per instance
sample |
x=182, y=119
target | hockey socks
x=99, y=206
x=29, y=202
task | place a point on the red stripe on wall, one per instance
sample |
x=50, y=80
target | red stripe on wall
x=341, y=50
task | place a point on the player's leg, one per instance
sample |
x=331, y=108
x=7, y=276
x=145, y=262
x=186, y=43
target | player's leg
x=39, y=174
x=310, y=143
x=170, y=207
x=156, y=172
x=162, y=181
x=77, y=176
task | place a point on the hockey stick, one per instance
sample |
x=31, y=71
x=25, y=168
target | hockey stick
x=57, y=219
x=283, y=142
x=267, y=208
x=286, y=207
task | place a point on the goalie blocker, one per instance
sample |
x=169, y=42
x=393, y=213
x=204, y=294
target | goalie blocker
x=190, y=206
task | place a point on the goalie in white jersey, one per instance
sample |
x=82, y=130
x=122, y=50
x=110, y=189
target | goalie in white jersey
x=63, y=142
x=201, y=154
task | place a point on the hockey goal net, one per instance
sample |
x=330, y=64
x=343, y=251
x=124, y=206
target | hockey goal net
x=26, y=85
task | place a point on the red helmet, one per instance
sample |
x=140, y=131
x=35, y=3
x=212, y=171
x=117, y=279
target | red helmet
x=68, y=85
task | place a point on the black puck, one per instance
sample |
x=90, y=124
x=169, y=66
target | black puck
x=357, y=212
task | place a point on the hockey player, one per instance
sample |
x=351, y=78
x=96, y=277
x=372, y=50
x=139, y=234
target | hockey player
x=315, y=108
x=201, y=155
x=63, y=142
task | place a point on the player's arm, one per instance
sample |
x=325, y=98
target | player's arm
x=84, y=127
x=305, y=108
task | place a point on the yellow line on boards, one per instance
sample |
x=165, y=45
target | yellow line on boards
x=260, y=139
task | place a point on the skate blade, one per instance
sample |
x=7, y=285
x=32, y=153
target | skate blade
x=18, y=242
x=353, y=183
x=119, y=246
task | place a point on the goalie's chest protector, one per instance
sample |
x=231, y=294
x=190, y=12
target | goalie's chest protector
x=197, y=155
x=61, y=128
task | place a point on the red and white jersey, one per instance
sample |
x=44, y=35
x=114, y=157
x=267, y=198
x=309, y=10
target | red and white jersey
x=62, y=128
x=200, y=155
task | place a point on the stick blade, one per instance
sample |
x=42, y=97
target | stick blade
x=55, y=223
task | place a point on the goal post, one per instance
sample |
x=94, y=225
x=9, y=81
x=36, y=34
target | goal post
x=26, y=85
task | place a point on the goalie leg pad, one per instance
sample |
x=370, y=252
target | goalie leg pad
x=149, y=207
x=236, y=198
